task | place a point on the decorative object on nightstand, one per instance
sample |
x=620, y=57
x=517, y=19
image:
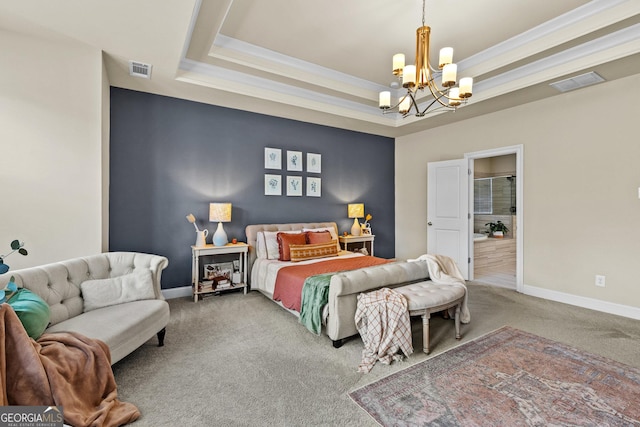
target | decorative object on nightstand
x=362, y=244
x=201, y=235
x=366, y=225
x=355, y=211
x=220, y=212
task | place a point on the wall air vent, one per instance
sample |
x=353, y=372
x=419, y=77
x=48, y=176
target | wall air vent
x=139, y=69
x=577, y=82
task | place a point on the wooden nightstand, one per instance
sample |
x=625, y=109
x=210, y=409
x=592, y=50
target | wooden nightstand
x=201, y=284
x=350, y=242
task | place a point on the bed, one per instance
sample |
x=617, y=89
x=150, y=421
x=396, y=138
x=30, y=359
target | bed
x=319, y=286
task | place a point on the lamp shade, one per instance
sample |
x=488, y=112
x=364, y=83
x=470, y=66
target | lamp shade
x=220, y=212
x=356, y=210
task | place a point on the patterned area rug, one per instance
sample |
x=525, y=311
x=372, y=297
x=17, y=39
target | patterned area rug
x=507, y=378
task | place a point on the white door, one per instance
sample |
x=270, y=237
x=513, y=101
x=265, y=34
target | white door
x=448, y=211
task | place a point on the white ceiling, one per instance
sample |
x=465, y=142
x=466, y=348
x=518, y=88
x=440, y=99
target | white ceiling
x=325, y=62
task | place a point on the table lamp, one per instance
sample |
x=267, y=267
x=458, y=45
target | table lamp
x=356, y=210
x=220, y=212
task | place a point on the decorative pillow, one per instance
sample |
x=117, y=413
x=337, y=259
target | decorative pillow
x=271, y=242
x=261, y=246
x=32, y=311
x=318, y=237
x=117, y=290
x=331, y=230
x=287, y=239
x=318, y=250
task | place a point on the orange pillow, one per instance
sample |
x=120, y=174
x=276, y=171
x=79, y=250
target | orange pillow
x=318, y=250
x=318, y=237
x=286, y=239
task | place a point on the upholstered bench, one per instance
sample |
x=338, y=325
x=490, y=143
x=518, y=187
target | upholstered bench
x=424, y=298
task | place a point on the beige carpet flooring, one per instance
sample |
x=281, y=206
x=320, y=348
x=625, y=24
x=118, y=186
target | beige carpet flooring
x=240, y=360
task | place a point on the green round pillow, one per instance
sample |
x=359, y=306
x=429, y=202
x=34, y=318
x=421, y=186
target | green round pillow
x=32, y=311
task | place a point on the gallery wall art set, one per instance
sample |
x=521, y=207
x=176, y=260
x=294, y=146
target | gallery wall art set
x=293, y=184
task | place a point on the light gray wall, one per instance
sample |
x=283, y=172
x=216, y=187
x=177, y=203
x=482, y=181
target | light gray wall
x=581, y=180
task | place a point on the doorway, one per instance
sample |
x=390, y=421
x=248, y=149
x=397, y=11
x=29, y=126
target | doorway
x=495, y=197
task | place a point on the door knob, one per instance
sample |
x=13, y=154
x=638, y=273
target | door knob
x=429, y=223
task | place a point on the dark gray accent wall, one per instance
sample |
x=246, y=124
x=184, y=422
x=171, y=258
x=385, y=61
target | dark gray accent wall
x=170, y=157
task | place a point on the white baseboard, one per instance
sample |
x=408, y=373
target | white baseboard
x=584, y=302
x=183, y=291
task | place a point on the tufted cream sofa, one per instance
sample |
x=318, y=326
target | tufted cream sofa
x=123, y=327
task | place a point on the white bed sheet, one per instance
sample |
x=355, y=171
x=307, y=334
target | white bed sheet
x=265, y=271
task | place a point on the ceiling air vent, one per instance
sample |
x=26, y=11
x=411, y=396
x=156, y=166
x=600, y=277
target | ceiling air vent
x=139, y=69
x=577, y=82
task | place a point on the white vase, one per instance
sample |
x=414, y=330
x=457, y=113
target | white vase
x=355, y=228
x=220, y=236
x=201, y=237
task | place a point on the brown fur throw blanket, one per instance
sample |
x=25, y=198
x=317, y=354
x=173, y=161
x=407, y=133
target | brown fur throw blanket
x=60, y=369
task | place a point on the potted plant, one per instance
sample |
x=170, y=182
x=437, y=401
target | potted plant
x=497, y=229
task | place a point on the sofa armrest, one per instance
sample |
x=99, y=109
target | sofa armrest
x=127, y=262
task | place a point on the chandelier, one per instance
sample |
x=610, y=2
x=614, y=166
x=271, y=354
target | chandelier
x=422, y=75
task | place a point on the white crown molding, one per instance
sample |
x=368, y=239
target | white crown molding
x=578, y=22
x=584, y=302
x=593, y=15
x=235, y=82
x=256, y=57
x=607, y=48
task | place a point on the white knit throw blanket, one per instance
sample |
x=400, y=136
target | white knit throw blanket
x=444, y=271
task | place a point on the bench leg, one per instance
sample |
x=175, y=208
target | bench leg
x=458, y=321
x=425, y=332
x=161, y=337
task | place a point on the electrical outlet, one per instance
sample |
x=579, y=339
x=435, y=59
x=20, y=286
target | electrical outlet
x=600, y=281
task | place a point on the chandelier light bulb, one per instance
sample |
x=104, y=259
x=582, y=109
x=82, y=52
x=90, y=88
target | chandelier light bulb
x=385, y=99
x=398, y=64
x=409, y=76
x=449, y=75
x=446, y=57
x=466, y=87
x=454, y=97
x=405, y=105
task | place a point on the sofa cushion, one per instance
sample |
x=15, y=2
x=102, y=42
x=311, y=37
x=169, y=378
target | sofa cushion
x=32, y=311
x=117, y=290
x=123, y=327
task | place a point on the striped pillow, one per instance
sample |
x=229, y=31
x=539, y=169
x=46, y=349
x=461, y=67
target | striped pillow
x=313, y=251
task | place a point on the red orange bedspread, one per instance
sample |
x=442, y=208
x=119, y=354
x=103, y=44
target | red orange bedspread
x=290, y=280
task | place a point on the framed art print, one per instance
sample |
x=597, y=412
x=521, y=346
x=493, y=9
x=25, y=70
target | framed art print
x=294, y=161
x=314, y=187
x=314, y=163
x=272, y=158
x=272, y=185
x=294, y=186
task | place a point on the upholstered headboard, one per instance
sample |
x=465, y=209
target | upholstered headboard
x=252, y=232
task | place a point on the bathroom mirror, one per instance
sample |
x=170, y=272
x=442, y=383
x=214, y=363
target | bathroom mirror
x=494, y=195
